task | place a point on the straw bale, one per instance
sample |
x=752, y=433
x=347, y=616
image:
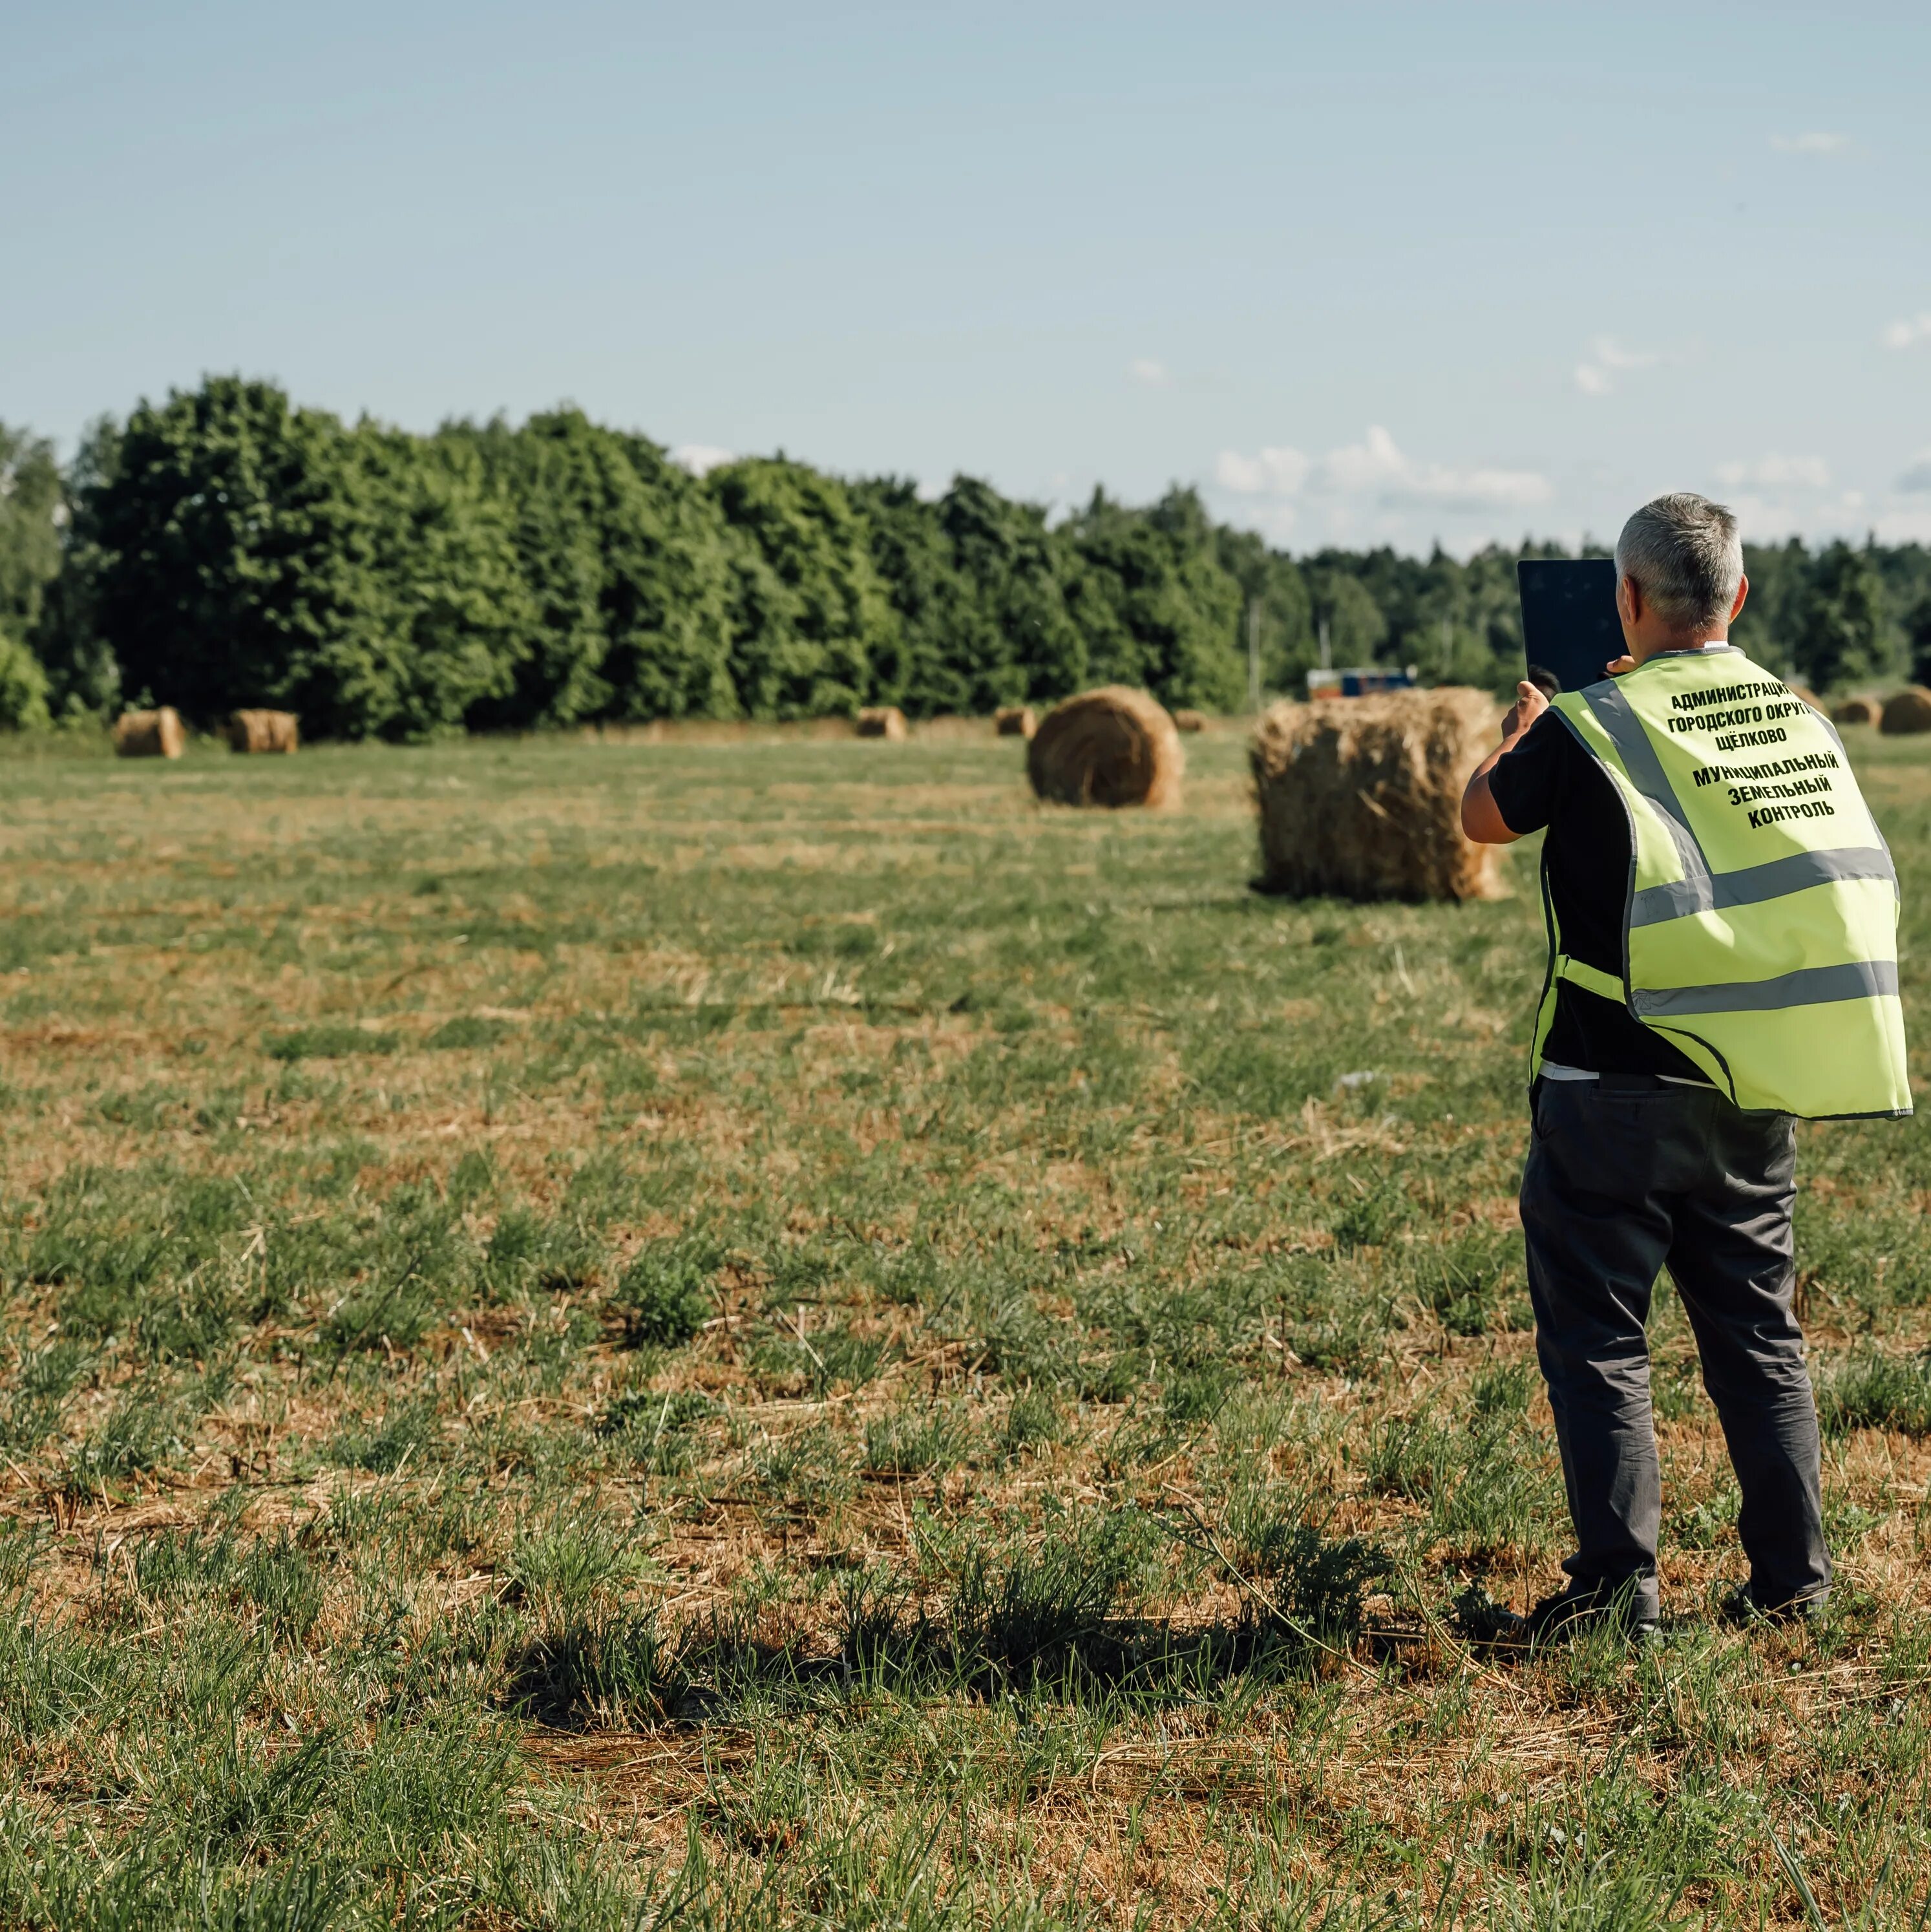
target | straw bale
x=1189, y=721
x=150, y=734
x=1907, y=710
x=1857, y=711
x=1015, y=720
x=1112, y=747
x=881, y=721
x=1361, y=797
x=262, y=731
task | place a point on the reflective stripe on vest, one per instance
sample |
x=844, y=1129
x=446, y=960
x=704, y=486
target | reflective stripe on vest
x=1591, y=979
x=1760, y=929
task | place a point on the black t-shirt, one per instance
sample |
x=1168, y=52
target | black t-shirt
x=1549, y=780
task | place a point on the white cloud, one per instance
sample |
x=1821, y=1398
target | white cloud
x=700, y=457
x=1276, y=521
x=1375, y=466
x=1777, y=472
x=1770, y=518
x=1902, y=526
x=1608, y=359
x=1814, y=143
x=1917, y=479
x=1146, y=369
x=1905, y=334
x=1357, y=468
x=1376, y=470
x=1272, y=472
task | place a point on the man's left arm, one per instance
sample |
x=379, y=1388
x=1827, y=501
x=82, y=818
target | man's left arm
x=1481, y=819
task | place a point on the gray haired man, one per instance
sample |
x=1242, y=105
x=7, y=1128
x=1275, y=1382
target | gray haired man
x=1662, y=1132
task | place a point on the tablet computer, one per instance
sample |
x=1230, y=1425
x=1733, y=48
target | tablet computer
x=1570, y=630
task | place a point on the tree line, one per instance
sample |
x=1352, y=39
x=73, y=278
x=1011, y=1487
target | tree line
x=226, y=547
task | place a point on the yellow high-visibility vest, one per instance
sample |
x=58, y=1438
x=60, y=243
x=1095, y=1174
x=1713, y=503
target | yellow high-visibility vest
x=1760, y=935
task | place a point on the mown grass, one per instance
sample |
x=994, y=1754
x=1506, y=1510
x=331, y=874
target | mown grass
x=764, y=1334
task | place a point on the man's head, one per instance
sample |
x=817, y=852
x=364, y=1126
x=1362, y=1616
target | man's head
x=1679, y=575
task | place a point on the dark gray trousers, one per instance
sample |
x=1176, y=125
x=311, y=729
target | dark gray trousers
x=1621, y=1181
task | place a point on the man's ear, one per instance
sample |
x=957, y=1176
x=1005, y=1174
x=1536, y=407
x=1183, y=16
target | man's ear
x=1629, y=602
x=1743, y=591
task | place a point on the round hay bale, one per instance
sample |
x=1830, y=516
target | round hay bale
x=1015, y=720
x=1110, y=747
x=150, y=734
x=1189, y=721
x=1906, y=711
x=260, y=731
x=1804, y=693
x=881, y=721
x=1857, y=711
x=1360, y=798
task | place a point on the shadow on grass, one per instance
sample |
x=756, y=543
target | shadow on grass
x=1051, y=1620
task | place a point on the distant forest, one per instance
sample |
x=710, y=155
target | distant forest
x=227, y=548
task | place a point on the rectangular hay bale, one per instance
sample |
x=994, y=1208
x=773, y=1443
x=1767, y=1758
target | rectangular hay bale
x=1360, y=798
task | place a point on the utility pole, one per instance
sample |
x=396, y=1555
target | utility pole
x=1254, y=654
x=1327, y=662
x=1447, y=650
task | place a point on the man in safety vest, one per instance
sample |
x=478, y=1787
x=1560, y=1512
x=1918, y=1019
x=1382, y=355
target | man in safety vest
x=1722, y=924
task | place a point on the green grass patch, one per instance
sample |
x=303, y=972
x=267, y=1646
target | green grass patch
x=841, y=1350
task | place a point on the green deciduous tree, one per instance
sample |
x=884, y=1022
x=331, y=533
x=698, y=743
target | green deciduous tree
x=1772, y=613
x=670, y=598
x=974, y=578
x=447, y=617
x=1148, y=592
x=625, y=557
x=1273, y=585
x=1842, y=633
x=23, y=687
x=1356, y=624
x=562, y=490
x=938, y=635
x=1917, y=640
x=810, y=614
x=1027, y=645
x=32, y=509
x=233, y=550
x=70, y=638
x=256, y=553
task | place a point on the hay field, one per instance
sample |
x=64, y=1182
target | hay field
x=766, y=1333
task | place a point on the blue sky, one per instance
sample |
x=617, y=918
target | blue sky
x=1362, y=273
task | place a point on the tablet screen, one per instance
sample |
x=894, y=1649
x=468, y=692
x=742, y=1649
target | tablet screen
x=1570, y=630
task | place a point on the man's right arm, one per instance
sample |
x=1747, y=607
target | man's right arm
x=1481, y=819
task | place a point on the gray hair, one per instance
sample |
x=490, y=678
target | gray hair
x=1684, y=551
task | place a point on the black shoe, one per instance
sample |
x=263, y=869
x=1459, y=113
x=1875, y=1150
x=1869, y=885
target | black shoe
x=1481, y=1619
x=1580, y=1608
x=1741, y=1609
